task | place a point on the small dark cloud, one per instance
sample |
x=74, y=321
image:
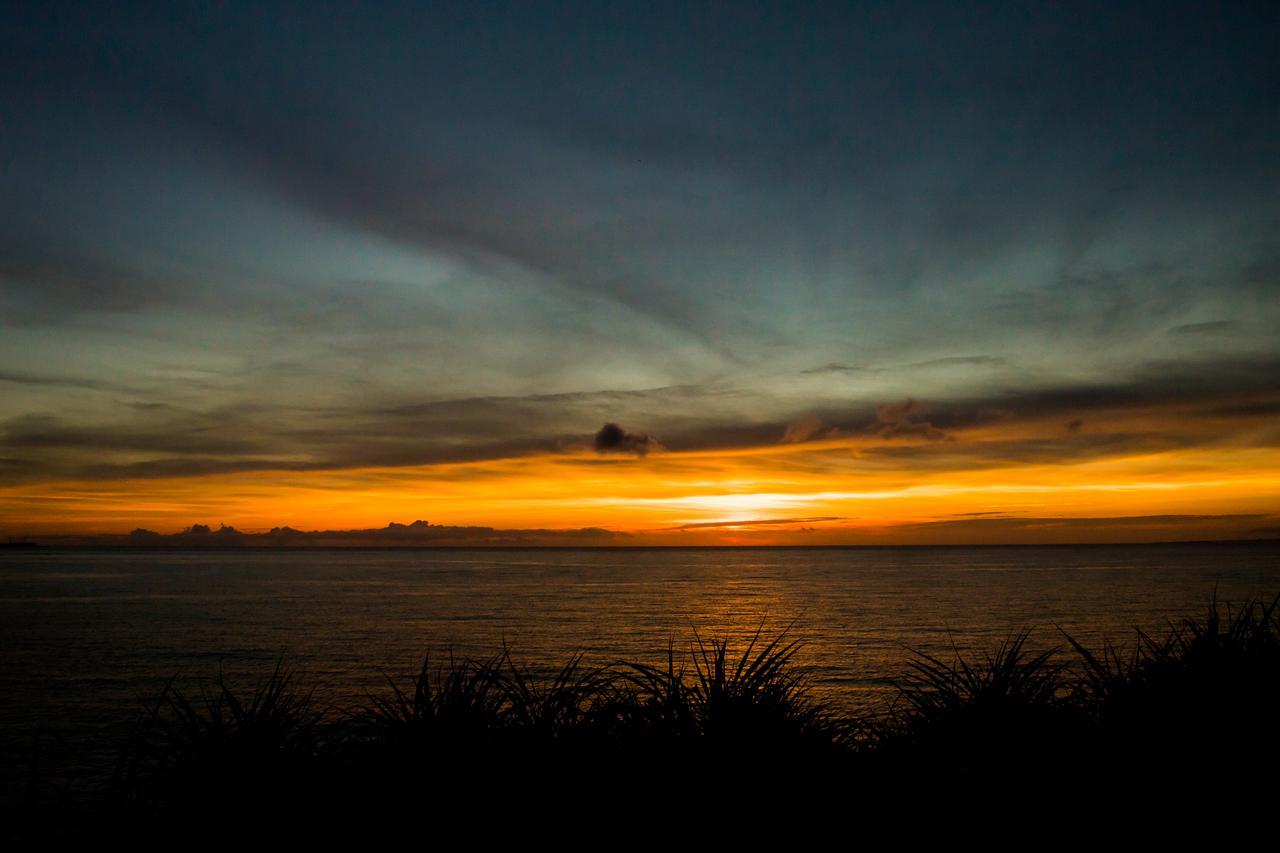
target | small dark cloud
x=963, y=360
x=1212, y=327
x=1075, y=426
x=802, y=430
x=904, y=419
x=55, y=381
x=835, y=367
x=612, y=438
x=1258, y=409
x=948, y=361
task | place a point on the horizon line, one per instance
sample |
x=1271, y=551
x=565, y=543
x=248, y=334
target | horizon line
x=825, y=547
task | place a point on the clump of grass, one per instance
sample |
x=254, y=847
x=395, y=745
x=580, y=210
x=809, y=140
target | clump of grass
x=759, y=696
x=651, y=703
x=593, y=734
x=1008, y=680
x=715, y=694
x=459, y=702
x=485, y=703
x=221, y=747
x=1201, y=699
x=722, y=705
x=1208, y=688
x=1009, y=708
x=563, y=706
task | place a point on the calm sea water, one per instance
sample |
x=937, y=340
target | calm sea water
x=86, y=636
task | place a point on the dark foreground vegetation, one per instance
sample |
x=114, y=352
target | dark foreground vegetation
x=477, y=747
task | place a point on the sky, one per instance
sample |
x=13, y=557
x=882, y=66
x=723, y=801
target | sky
x=654, y=274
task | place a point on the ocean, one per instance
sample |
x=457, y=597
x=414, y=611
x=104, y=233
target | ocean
x=86, y=637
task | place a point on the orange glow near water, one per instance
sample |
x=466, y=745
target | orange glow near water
x=824, y=492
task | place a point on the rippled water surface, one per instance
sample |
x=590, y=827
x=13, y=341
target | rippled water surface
x=85, y=635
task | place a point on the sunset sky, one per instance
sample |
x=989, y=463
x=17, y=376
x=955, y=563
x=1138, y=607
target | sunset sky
x=842, y=274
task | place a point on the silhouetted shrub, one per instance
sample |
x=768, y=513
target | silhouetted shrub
x=1204, y=698
x=242, y=754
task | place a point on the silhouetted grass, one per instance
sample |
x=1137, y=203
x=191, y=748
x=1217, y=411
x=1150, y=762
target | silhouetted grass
x=1204, y=698
x=1008, y=680
x=222, y=747
x=461, y=701
x=468, y=735
x=1009, y=708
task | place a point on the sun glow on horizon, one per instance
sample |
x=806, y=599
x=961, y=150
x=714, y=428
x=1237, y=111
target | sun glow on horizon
x=823, y=493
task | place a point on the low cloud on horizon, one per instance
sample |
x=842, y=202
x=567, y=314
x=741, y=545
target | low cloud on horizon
x=818, y=531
